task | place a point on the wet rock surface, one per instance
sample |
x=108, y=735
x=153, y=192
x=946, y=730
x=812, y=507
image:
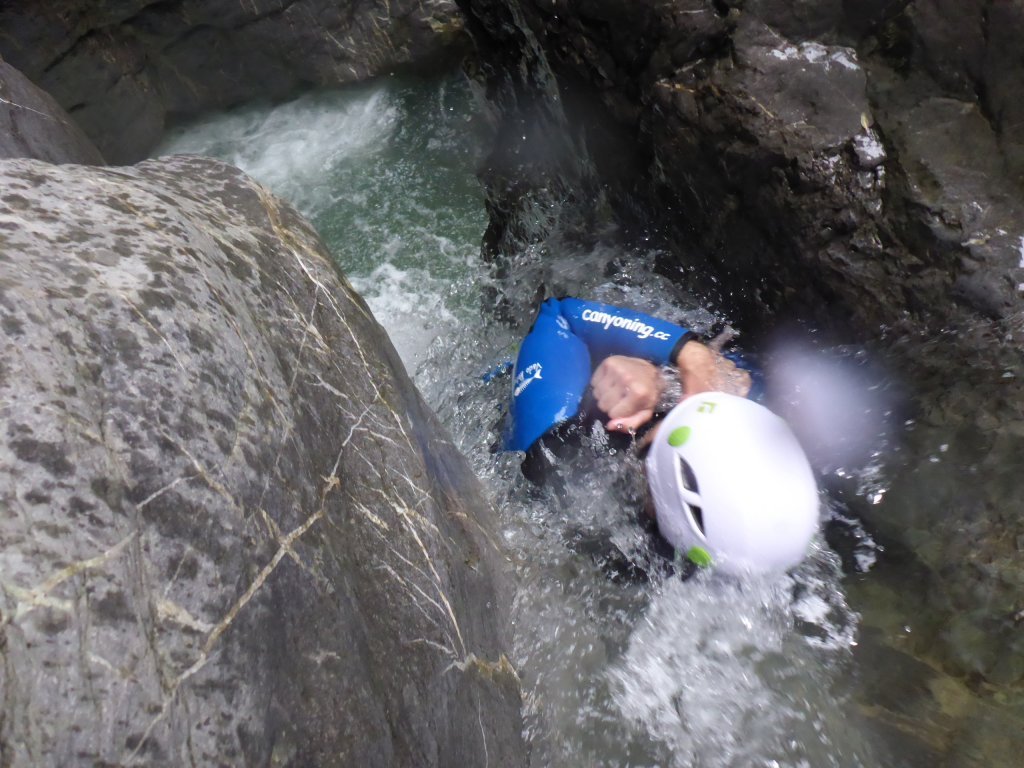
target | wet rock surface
x=804, y=150
x=856, y=166
x=232, y=533
x=33, y=125
x=123, y=69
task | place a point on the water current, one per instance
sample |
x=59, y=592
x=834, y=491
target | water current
x=706, y=672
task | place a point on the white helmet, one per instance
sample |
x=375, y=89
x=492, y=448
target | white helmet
x=732, y=486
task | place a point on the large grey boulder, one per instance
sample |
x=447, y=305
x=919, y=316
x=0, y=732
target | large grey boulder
x=33, y=125
x=123, y=69
x=233, y=534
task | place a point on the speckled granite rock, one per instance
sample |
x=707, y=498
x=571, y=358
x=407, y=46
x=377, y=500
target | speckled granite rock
x=122, y=69
x=232, y=533
x=33, y=125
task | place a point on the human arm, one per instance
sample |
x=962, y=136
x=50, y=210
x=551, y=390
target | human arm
x=703, y=368
x=553, y=366
x=627, y=390
x=608, y=330
x=630, y=390
x=611, y=332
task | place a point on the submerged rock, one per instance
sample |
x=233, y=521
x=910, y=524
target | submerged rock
x=233, y=533
x=123, y=69
x=33, y=125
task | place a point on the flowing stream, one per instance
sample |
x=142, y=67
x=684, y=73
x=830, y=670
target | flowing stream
x=705, y=672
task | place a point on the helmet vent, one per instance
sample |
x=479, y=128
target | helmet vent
x=690, y=484
x=689, y=479
x=698, y=516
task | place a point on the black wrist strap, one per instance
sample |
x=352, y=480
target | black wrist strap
x=678, y=346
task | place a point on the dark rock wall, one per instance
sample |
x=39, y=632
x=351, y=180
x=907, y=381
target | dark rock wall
x=123, y=69
x=232, y=532
x=972, y=50
x=33, y=125
x=816, y=154
x=855, y=165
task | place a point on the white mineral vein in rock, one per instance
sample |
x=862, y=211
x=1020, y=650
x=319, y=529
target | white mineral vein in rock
x=816, y=53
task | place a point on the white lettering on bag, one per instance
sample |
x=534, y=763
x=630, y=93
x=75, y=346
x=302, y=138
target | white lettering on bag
x=642, y=330
x=525, y=377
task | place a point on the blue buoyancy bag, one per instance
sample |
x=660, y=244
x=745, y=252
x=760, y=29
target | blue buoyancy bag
x=551, y=375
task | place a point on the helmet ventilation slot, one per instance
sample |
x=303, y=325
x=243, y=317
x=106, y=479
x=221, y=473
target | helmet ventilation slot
x=698, y=517
x=690, y=484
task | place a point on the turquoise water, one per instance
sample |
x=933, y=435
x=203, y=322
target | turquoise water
x=386, y=174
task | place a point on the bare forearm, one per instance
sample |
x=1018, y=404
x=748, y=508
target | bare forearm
x=702, y=369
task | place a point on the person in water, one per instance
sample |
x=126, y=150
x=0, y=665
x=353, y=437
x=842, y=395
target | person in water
x=730, y=484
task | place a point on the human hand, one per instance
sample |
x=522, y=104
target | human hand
x=627, y=389
x=702, y=369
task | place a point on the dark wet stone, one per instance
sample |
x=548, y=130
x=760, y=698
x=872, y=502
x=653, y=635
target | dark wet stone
x=124, y=70
x=783, y=146
x=800, y=19
x=228, y=537
x=32, y=124
x=855, y=166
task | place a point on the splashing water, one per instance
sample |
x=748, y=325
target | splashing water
x=725, y=672
x=706, y=672
x=709, y=672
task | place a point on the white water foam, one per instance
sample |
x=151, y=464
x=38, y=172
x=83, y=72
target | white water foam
x=293, y=147
x=734, y=673
x=690, y=675
x=410, y=304
x=385, y=174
